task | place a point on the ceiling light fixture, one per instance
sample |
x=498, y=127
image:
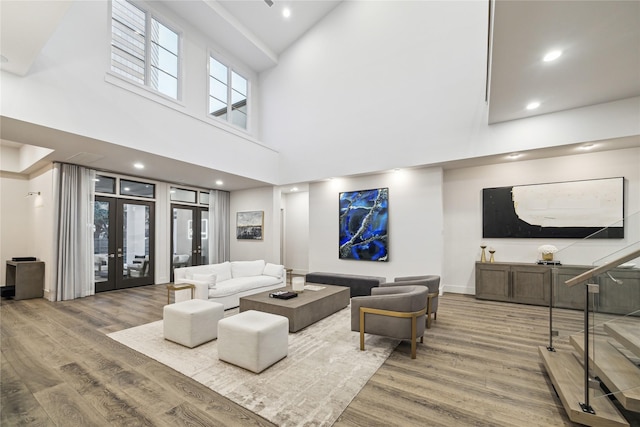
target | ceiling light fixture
x=514, y=155
x=138, y=165
x=294, y=189
x=219, y=182
x=286, y=12
x=587, y=146
x=552, y=55
x=533, y=105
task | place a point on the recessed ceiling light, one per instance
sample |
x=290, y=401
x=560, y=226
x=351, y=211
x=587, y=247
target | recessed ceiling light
x=587, y=146
x=219, y=182
x=533, y=105
x=552, y=55
x=286, y=12
x=138, y=165
x=294, y=189
x=514, y=155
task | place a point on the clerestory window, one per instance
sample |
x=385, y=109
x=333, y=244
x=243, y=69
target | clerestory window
x=143, y=49
x=228, y=93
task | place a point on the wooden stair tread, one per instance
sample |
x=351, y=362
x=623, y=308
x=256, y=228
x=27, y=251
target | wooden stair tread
x=567, y=376
x=626, y=334
x=617, y=372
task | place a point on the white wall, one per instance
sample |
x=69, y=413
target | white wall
x=16, y=219
x=266, y=199
x=402, y=83
x=42, y=236
x=296, y=232
x=26, y=222
x=463, y=211
x=69, y=87
x=415, y=224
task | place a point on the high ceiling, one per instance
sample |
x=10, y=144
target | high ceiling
x=600, y=62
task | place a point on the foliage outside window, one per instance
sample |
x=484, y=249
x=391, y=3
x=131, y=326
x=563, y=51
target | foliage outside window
x=143, y=49
x=228, y=93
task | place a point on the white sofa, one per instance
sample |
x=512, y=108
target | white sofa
x=226, y=282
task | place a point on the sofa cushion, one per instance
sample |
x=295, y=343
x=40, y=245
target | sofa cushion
x=273, y=270
x=222, y=271
x=247, y=268
x=208, y=279
x=241, y=284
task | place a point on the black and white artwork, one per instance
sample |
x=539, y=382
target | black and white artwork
x=249, y=225
x=574, y=209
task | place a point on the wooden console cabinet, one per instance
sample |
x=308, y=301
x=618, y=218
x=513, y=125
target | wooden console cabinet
x=531, y=284
x=512, y=282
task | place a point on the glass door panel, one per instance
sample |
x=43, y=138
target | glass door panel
x=189, y=229
x=182, y=237
x=123, y=243
x=204, y=236
x=103, y=244
x=135, y=248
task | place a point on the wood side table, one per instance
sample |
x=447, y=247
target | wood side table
x=180, y=287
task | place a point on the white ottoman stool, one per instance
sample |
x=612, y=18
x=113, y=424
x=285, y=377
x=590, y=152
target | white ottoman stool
x=253, y=340
x=191, y=322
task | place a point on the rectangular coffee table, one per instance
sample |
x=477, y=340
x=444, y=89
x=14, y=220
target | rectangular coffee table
x=307, y=308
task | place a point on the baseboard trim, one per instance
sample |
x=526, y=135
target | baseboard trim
x=454, y=289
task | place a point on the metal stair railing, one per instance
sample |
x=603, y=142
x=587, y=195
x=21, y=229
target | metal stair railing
x=590, y=289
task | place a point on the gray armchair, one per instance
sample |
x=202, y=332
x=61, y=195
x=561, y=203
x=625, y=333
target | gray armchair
x=432, y=282
x=397, y=312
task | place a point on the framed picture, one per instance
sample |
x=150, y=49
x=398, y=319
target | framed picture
x=364, y=218
x=249, y=225
x=574, y=209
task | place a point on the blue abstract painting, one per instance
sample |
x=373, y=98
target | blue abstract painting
x=364, y=219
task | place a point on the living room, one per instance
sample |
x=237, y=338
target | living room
x=374, y=95
x=428, y=144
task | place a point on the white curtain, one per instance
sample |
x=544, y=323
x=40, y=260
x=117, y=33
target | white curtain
x=74, y=194
x=219, y=243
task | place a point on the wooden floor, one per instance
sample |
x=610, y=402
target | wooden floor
x=478, y=366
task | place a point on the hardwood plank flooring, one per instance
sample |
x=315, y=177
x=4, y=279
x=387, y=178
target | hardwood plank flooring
x=478, y=366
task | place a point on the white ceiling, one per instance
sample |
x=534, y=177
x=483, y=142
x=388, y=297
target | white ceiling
x=600, y=41
x=601, y=61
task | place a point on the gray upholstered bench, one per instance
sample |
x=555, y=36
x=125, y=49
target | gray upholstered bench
x=359, y=285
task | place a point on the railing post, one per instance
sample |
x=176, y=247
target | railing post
x=586, y=407
x=554, y=273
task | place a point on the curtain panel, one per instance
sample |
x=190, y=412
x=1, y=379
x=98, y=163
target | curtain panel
x=219, y=208
x=74, y=198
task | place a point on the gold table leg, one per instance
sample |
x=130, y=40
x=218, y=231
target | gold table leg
x=180, y=287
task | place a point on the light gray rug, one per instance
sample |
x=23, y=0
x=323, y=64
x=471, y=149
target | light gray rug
x=323, y=372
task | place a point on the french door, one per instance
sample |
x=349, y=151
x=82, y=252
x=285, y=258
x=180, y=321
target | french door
x=123, y=243
x=189, y=236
